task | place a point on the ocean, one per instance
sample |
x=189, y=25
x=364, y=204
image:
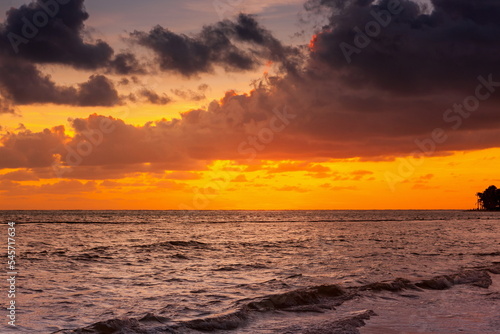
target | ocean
x=254, y=272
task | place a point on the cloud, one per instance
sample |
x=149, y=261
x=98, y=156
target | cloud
x=153, y=97
x=385, y=103
x=218, y=133
x=6, y=106
x=126, y=63
x=234, y=46
x=108, y=171
x=29, y=149
x=22, y=83
x=62, y=188
x=47, y=32
x=58, y=41
x=301, y=166
x=180, y=144
x=183, y=175
x=189, y=95
x=360, y=174
x=98, y=91
x=417, y=51
x=338, y=176
x=20, y=175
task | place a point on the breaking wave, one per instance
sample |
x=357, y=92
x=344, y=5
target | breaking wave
x=316, y=299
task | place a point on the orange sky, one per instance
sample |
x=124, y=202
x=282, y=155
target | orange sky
x=263, y=123
x=440, y=183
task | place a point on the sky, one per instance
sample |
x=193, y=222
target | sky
x=239, y=104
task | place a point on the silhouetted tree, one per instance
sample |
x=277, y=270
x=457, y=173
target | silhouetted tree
x=490, y=198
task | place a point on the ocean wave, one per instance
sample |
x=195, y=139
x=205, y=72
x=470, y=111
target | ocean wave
x=40, y=255
x=237, y=267
x=316, y=299
x=173, y=245
x=488, y=254
x=89, y=257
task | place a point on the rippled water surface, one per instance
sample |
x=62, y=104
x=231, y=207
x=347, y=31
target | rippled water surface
x=80, y=267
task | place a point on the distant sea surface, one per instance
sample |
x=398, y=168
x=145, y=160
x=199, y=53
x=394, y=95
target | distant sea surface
x=174, y=271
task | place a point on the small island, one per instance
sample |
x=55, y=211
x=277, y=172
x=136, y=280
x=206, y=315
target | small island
x=489, y=200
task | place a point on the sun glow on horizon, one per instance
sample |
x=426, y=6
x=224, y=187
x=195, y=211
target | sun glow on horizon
x=262, y=185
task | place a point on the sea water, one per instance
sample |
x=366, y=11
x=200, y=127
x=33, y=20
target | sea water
x=166, y=269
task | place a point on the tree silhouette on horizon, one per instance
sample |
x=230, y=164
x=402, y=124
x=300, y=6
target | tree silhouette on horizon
x=490, y=198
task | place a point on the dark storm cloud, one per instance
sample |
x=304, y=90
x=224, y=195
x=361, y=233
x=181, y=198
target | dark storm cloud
x=417, y=51
x=52, y=32
x=22, y=83
x=98, y=91
x=126, y=63
x=235, y=46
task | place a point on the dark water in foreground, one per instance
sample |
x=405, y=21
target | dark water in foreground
x=77, y=268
